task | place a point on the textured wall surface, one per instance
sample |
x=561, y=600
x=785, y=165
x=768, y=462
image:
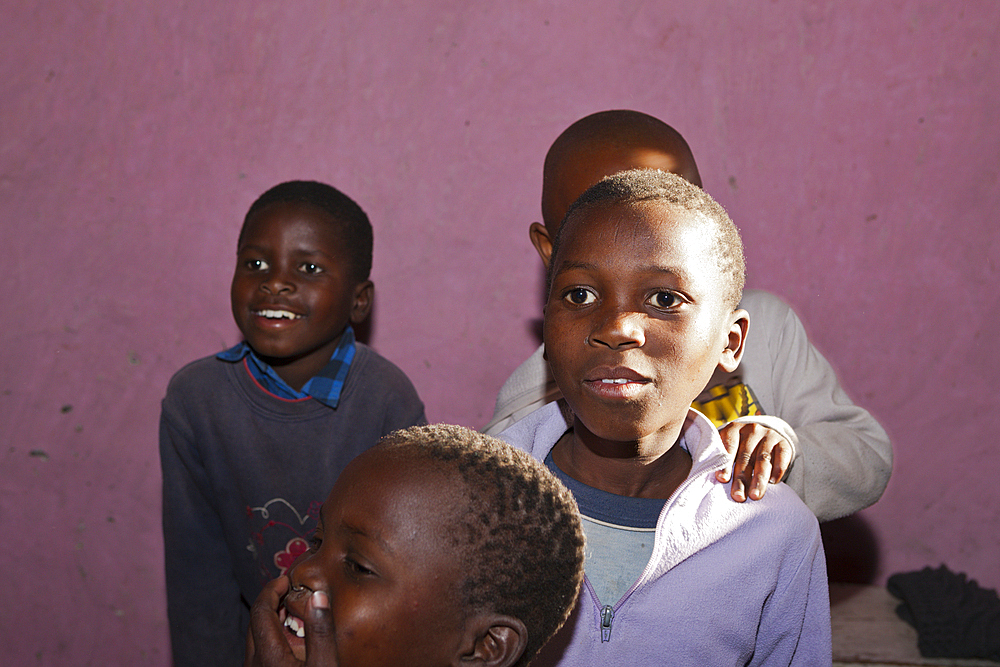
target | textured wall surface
x=855, y=143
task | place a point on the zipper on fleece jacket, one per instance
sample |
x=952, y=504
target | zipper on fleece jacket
x=607, y=611
x=607, y=615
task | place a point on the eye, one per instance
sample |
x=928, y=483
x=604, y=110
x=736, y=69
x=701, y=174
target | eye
x=355, y=568
x=315, y=542
x=664, y=300
x=256, y=265
x=580, y=296
x=309, y=267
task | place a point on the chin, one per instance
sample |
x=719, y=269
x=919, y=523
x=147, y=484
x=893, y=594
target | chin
x=623, y=422
x=614, y=432
x=629, y=430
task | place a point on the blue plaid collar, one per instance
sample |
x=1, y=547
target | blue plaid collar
x=325, y=386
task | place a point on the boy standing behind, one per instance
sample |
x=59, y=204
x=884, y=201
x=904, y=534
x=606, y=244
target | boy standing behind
x=644, y=283
x=252, y=439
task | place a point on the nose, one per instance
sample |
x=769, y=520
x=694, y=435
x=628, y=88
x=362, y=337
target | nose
x=278, y=281
x=618, y=328
x=305, y=574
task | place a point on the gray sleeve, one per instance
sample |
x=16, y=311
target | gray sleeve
x=843, y=455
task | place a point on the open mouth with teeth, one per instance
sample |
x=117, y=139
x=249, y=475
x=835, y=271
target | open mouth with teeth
x=277, y=314
x=295, y=632
x=616, y=383
x=295, y=626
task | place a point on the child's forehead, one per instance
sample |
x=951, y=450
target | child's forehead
x=652, y=238
x=310, y=224
x=400, y=475
x=398, y=511
x=617, y=222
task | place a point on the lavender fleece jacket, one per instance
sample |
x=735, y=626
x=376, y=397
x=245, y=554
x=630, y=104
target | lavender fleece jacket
x=727, y=584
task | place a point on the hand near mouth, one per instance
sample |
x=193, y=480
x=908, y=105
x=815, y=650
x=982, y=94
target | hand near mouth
x=266, y=643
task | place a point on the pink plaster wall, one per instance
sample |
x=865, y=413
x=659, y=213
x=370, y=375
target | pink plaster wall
x=854, y=142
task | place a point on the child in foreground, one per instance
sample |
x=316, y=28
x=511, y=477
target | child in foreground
x=439, y=546
x=644, y=284
x=252, y=439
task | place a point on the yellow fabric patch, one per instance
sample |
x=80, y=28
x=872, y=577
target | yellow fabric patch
x=723, y=404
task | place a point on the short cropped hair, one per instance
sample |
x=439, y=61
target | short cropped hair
x=521, y=538
x=651, y=185
x=352, y=223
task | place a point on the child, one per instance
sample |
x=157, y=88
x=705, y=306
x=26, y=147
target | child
x=644, y=282
x=439, y=546
x=251, y=439
x=782, y=403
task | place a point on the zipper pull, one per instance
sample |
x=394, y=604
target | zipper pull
x=607, y=615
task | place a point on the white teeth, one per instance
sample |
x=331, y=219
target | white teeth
x=296, y=626
x=277, y=314
x=615, y=381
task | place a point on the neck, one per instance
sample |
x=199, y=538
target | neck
x=643, y=468
x=298, y=370
x=294, y=374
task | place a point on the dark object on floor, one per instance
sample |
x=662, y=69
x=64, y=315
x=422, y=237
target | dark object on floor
x=954, y=617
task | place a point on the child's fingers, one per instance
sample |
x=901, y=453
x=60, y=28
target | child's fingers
x=760, y=456
x=781, y=459
x=772, y=458
x=743, y=463
x=739, y=491
x=266, y=636
x=321, y=640
x=761, y=471
x=742, y=467
x=730, y=434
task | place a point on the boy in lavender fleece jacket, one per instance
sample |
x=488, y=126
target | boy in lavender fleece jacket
x=644, y=285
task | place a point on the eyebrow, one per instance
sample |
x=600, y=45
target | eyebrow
x=651, y=268
x=301, y=252
x=354, y=530
x=571, y=266
x=668, y=270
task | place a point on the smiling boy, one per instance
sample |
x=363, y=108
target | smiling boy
x=439, y=546
x=644, y=285
x=252, y=439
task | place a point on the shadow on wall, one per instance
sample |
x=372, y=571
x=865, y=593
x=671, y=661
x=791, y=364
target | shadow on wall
x=851, y=550
x=363, y=332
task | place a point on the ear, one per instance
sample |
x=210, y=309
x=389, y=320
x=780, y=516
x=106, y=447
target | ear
x=363, y=294
x=739, y=325
x=492, y=640
x=542, y=241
